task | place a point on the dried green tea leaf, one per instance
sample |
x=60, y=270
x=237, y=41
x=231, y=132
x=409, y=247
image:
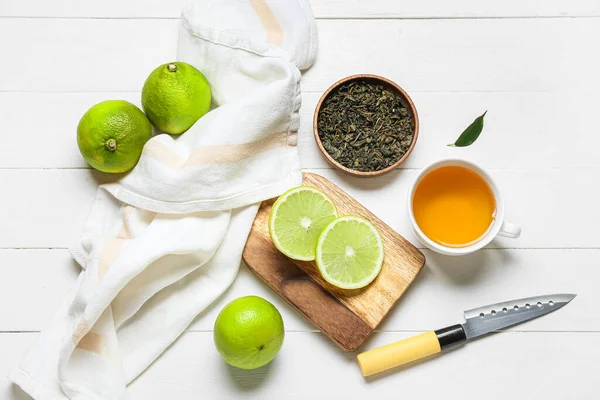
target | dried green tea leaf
x=364, y=126
x=470, y=135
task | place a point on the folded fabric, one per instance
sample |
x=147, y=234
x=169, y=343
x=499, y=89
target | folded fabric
x=165, y=241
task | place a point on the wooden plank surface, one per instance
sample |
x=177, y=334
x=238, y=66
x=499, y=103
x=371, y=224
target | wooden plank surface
x=517, y=124
x=82, y=55
x=56, y=203
x=445, y=287
x=530, y=63
x=348, y=317
x=192, y=367
x=321, y=8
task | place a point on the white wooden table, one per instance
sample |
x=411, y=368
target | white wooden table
x=533, y=64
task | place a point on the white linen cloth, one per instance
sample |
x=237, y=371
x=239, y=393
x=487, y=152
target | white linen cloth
x=166, y=240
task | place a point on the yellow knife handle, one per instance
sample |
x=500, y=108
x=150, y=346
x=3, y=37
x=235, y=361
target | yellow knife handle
x=408, y=350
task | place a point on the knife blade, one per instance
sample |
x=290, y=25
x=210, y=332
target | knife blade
x=493, y=317
x=479, y=321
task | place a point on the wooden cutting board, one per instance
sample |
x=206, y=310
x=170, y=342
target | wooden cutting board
x=347, y=317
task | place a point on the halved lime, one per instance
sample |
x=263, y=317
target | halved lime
x=297, y=218
x=350, y=252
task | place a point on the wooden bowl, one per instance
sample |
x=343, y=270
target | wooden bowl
x=404, y=99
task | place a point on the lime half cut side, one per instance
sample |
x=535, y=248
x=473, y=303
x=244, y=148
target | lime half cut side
x=350, y=252
x=297, y=218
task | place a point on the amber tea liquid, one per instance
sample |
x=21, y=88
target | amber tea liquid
x=454, y=206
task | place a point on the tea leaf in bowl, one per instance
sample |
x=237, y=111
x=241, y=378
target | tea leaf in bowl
x=470, y=135
x=364, y=126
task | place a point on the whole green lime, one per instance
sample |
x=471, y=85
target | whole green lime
x=175, y=96
x=249, y=332
x=112, y=134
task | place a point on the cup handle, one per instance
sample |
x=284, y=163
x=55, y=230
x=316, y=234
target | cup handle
x=509, y=230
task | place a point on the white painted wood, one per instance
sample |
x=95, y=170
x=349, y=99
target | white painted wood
x=40, y=279
x=536, y=76
x=33, y=283
x=461, y=55
x=421, y=55
x=556, y=208
x=84, y=55
x=47, y=208
x=517, y=125
x=536, y=366
x=452, y=9
x=312, y=365
x=321, y=9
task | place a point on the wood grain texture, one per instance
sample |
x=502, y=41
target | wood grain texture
x=40, y=280
x=445, y=55
x=519, y=366
x=346, y=316
x=47, y=208
x=292, y=283
x=535, y=118
x=537, y=76
x=321, y=8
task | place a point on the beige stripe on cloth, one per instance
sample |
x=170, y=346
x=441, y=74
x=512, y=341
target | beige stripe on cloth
x=91, y=341
x=110, y=251
x=112, y=248
x=80, y=330
x=219, y=154
x=264, y=13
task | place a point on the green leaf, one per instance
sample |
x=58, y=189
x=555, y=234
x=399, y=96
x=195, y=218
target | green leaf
x=470, y=135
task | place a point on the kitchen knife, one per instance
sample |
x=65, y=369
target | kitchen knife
x=479, y=321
